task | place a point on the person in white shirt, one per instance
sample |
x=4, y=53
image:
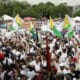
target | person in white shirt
x=63, y=57
x=36, y=64
x=44, y=62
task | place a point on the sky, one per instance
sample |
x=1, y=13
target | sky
x=56, y=2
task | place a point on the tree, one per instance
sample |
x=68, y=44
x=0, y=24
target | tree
x=62, y=10
x=2, y=10
x=77, y=13
x=13, y=7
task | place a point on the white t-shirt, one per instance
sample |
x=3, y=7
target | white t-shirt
x=23, y=56
x=66, y=71
x=29, y=74
x=37, y=66
x=44, y=63
x=58, y=67
x=32, y=50
x=63, y=57
x=9, y=61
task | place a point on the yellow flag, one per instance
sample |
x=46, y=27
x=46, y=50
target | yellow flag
x=31, y=26
x=18, y=20
x=51, y=23
x=66, y=22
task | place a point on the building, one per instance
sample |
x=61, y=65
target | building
x=76, y=8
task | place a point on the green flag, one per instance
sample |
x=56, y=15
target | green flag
x=57, y=32
x=31, y=29
x=71, y=34
x=11, y=28
x=32, y=32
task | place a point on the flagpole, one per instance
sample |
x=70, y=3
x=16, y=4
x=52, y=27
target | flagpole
x=48, y=56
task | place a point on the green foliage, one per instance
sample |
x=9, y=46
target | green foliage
x=77, y=13
x=13, y=7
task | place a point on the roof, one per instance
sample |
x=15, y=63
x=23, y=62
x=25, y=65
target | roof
x=76, y=18
x=28, y=18
x=6, y=17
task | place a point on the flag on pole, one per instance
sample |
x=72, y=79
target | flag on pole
x=66, y=25
x=17, y=23
x=31, y=29
x=18, y=20
x=69, y=28
x=54, y=29
x=51, y=23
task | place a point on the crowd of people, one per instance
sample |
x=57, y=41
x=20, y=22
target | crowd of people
x=23, y=57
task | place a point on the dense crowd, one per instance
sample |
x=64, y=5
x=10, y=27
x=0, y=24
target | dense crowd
x=24, y=58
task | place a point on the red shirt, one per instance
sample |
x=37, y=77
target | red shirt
x=74, y=59
x=1, y=56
